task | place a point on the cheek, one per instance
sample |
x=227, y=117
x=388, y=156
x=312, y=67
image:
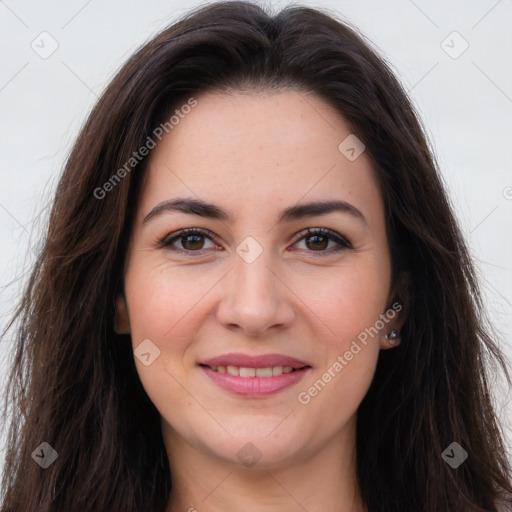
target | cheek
x=350, y=304
x=349, y=359
x=347, y=300
x=162, y=303
x=163, y=307
x=166, y=306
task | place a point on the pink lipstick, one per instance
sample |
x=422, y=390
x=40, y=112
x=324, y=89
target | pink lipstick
x=258, y=375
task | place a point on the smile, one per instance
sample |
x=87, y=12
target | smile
x=254, y=382
x=242, y=371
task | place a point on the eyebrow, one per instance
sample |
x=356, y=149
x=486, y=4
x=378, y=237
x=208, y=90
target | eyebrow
x=212, y=211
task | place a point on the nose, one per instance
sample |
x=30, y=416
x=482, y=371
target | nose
x=255, y=297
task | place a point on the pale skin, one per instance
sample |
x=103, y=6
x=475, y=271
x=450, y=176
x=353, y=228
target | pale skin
x=255, y=155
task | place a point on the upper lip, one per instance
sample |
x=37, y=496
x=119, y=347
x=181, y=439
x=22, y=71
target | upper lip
x=258, y=361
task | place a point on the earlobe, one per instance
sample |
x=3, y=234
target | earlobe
x=400, y=304
x=121, y=318
x=391, y=336
x=392, y=339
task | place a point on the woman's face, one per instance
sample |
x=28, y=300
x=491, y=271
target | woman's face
x=252, y=284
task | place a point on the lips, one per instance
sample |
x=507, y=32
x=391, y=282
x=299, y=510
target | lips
x=254, y=376
x=259, y=361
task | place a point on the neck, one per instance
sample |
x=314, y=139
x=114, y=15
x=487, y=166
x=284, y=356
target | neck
x=324, y=479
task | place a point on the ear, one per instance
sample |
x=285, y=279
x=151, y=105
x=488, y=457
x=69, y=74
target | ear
x=398, y=308
x=121, y=318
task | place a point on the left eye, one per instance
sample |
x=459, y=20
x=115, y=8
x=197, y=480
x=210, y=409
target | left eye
x=192, y=240
x=320, y=238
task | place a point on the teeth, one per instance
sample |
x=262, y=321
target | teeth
x=233, y=370
x=262, y=372
x=247, y=372
x=269, y=371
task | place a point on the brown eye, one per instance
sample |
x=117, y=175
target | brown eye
x=189, y=240
x=192, y=241
x=318, y=240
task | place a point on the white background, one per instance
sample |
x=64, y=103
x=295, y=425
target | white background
x=465, y=104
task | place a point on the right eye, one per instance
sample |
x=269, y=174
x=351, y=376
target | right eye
x=191, y=240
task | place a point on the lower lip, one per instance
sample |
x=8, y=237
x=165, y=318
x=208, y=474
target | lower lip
x=255, y=386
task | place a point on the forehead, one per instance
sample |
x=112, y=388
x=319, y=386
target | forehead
x=247, y=150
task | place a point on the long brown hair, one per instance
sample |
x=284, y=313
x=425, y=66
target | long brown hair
x=73, y=382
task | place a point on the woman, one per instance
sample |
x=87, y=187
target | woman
x=168, y=362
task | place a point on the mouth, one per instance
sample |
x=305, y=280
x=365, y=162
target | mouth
x=254, y=376
x=249, y=372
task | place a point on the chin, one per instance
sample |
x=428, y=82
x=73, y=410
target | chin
x=259, y=450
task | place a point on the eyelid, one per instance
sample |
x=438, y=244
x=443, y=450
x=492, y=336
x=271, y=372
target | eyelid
x=342, y=242
x=168, y=239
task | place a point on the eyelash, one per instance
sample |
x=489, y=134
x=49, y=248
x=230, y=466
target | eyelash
x=343, y=243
